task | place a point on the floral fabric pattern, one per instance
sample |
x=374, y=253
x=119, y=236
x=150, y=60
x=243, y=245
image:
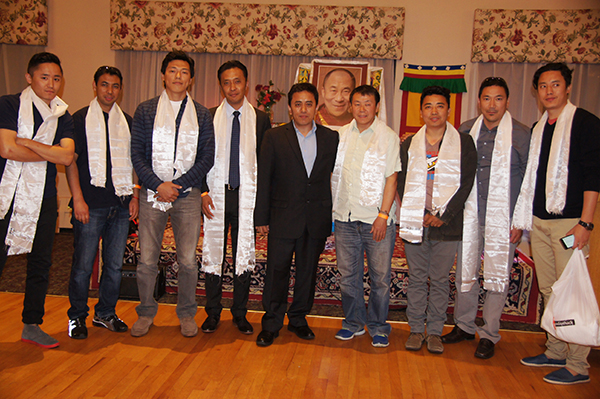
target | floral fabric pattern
x=24, y=22
x=325, y=31
x=536, y=36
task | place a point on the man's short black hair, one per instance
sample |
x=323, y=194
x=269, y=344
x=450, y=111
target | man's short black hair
x=110, y=70
x=177, y=55
x=435, y=90
x=230, y=65
x=366, y=90
x=340, y=70
x=42, y=58
x=555, y=66
x=493, y=81
x=299, y=87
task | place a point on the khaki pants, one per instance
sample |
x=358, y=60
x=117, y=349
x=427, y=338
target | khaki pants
x=550, y=259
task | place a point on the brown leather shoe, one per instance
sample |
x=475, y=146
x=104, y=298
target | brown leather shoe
x=457, y=335
x=485, y=349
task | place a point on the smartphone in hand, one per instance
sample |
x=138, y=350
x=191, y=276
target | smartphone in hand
x=568, y=241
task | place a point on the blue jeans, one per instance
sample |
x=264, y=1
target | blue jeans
x=186, y=215
x=352, y=240
x=112, y=225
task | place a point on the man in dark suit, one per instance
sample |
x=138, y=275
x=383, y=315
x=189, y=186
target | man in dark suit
x=294, y=206
x=239, y=130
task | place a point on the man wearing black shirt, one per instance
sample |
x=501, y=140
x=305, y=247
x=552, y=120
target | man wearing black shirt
x=101, y=182
x=36, y=133
x=561, y=191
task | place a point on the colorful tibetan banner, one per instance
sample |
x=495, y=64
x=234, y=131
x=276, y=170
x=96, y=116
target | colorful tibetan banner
x=416, y=78
x=536, y=36
x=268, y=29
x=24, y=22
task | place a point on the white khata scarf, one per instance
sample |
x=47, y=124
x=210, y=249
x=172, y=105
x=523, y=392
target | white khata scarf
x=445, y=184
x=119, y=138
x=25, y=181
x=167, y=162
x=497, y=217
x=558, y=169
x=214, y=242
x=372, y=175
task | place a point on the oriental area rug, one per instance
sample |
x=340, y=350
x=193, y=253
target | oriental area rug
x=522, y=304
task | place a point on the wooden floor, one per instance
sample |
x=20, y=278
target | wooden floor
x=227, y=364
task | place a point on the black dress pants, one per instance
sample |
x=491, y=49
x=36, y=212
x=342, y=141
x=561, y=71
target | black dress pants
x=307, y=251
x=241, y=283
x=39, y=260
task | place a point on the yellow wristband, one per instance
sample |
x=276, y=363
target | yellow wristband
x=137, y=186
x=204, y=194
x=383, y=216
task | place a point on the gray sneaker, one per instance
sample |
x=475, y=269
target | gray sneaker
x=141, y=326
x=434, y=344
x=189, y=328
x=415, y=341
x=33, y=334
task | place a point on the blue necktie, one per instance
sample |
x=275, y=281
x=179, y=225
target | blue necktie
x=234, y=156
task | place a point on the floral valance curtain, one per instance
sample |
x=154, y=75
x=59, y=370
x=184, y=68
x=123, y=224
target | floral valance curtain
x=24, y=22
x=536, y=36
x=269, y=29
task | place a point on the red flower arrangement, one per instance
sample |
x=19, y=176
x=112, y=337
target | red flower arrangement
x=267, y=97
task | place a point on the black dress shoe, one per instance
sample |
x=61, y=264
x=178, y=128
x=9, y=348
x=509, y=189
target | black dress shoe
x=210, y=324
x=485, y=349
x=265, y=338
x=243, y=325
x=457, y=335
x=303, y=332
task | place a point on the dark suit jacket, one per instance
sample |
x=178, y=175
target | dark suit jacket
x=263, y=123
x=288, y=200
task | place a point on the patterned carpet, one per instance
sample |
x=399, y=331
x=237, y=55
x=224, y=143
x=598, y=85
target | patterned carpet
x=521, y=312
x=522, y=305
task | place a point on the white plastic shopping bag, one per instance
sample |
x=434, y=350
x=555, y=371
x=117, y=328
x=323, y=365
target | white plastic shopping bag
x=572, y=313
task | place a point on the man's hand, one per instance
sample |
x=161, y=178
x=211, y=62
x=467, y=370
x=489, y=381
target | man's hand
x=81, y=211
x=515, y=235
x=168, y=191
x=582, y=236
x=378, y=229
x=134, y=208
x=430, y=220
x=262, y=229
x=207, y=205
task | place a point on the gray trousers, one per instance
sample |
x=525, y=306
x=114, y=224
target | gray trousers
x=466, y=304
x=430, y=260
x=186, y=215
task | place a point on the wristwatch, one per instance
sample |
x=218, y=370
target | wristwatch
x=588, y=226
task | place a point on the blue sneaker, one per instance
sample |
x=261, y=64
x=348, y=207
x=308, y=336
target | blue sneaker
x=543, y=361
x=346, y=335
x=564, y=377
x=380, y=341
